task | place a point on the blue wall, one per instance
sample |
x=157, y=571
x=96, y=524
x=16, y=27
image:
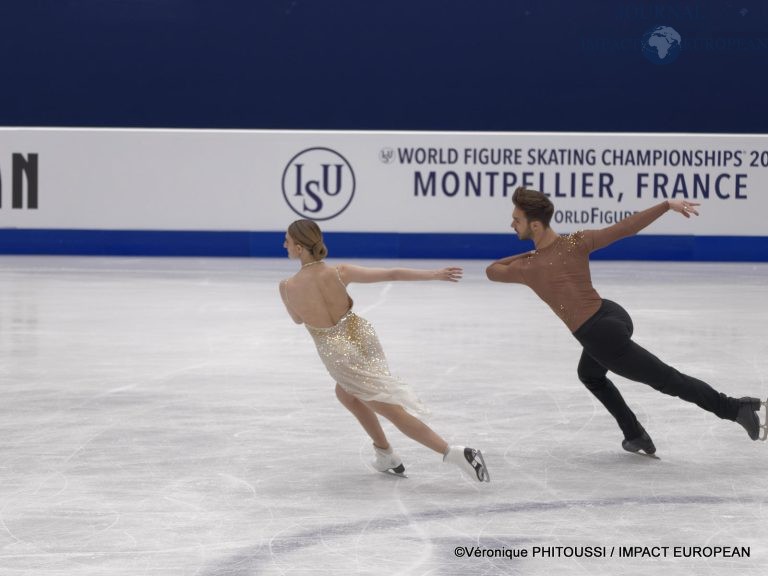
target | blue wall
x=364, y=245
x=488, y=65
x=479, y=65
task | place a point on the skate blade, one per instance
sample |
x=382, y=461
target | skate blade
x=645, y=454
x=651, y=456
x=391, y=472
x=396, y=471
x=482, y=474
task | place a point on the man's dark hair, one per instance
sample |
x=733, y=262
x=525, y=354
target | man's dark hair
x=535, y=205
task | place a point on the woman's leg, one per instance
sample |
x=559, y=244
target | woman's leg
x=367, y=417
x=469, y=460
x=410, y=425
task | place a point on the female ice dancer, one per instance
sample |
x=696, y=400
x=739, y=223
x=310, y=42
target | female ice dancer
x=317, y=297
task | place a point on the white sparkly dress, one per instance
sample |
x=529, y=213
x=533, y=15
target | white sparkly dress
x=354, y=358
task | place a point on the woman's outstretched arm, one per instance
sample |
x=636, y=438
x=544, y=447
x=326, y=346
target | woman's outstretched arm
x=364, y=275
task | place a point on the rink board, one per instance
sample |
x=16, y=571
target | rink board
x=376, y=194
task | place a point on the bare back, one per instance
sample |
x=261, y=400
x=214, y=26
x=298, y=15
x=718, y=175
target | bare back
x=316, y=296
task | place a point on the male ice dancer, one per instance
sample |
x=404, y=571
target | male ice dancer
x=558, y=271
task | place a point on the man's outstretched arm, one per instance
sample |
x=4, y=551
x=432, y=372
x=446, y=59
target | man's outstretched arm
x=635, y=223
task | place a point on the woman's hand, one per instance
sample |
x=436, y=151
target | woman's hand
x=450, y=274
x=684, y=207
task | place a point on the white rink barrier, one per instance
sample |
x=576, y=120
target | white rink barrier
x=390, y=194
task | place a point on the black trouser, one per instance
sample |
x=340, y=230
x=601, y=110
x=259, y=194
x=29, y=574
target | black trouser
x=607, y=341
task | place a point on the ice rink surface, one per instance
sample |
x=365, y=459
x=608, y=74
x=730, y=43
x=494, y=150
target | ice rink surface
x=165, y=417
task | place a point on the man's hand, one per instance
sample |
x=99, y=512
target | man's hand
x=684, y=207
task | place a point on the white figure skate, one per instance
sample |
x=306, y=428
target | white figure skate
x=388, y=462
x=469, y=461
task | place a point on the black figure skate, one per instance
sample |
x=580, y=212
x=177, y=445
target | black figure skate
x=749, y=417
x=642, y=442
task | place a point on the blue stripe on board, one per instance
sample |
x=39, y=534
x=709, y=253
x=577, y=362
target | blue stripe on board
x=364, y=245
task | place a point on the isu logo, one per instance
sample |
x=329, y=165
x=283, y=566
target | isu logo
x=318, y=183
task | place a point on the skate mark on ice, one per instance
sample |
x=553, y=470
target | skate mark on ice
x=251, y=562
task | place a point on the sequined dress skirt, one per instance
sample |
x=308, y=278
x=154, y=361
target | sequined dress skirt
x=354, y=358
